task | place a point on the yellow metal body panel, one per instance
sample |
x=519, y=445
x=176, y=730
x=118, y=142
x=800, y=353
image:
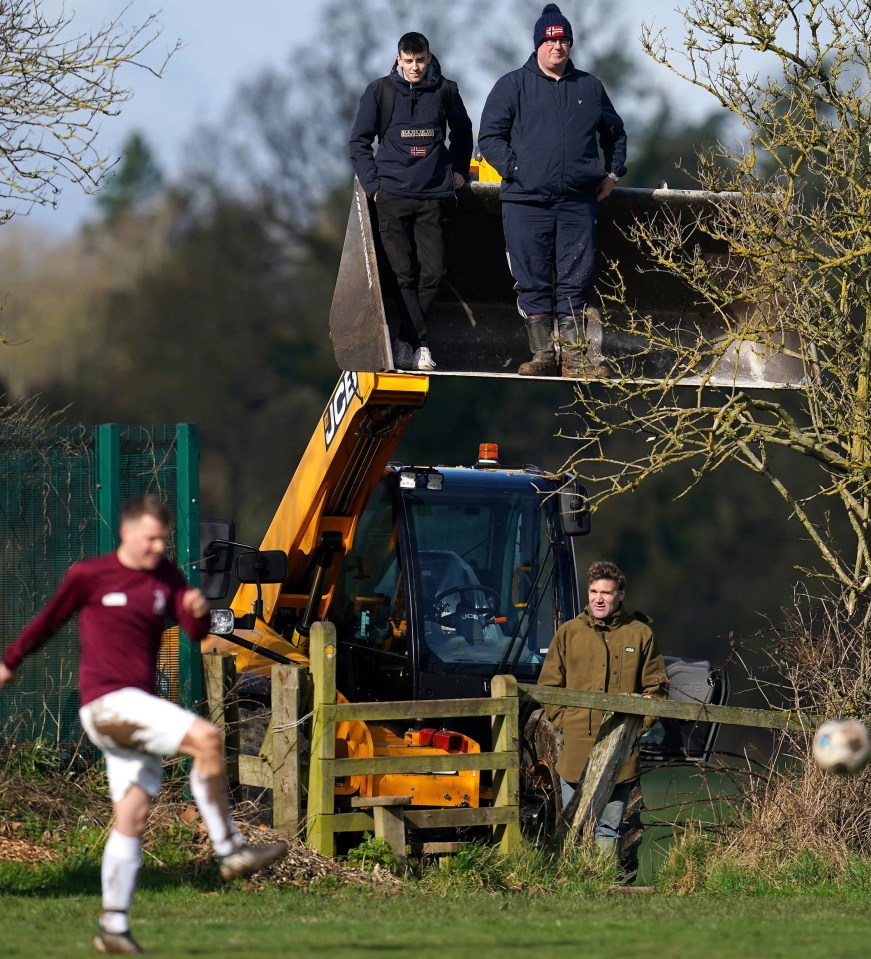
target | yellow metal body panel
x=481, y=171
x=247, y=661
x=461, y=788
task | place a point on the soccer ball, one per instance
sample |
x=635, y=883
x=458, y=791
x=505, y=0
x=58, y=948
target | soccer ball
x=842, y=746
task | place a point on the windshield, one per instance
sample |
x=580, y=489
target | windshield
x=485, y=576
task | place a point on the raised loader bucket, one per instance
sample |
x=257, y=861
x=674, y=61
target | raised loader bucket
x=475, y=328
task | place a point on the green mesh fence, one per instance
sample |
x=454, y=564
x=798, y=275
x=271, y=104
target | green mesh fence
x=55, y=482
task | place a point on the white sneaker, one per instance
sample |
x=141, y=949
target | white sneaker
x=403, y=355
x=422, y=359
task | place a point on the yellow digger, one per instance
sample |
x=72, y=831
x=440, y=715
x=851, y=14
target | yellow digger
x=439, y=578
x=436, y=579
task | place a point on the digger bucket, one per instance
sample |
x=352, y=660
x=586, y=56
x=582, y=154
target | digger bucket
x=475, y=330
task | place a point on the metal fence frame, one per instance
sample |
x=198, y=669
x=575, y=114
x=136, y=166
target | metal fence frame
x=74, y=480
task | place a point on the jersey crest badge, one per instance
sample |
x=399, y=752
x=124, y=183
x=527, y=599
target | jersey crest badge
x=159, y=607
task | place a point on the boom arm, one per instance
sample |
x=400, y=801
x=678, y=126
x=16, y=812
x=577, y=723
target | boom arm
x=361, y=426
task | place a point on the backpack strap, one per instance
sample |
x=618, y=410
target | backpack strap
x=387, y=98
x=444, y=102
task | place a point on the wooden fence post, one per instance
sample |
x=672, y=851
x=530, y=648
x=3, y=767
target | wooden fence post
x=321, y=787
x=286, y=755
x=613, y=745
x=506, y=782
x=219, y=673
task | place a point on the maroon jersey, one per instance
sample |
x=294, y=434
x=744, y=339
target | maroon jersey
x=122, y=614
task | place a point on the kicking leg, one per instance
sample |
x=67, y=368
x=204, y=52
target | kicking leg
x=204, y=742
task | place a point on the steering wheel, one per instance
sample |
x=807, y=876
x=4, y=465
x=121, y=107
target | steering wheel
x=469, y=588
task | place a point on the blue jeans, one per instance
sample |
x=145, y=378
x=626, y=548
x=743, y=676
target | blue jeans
x=610, y=822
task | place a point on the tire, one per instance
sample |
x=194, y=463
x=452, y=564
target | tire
x=633, y=832
x=540, y=795
x=253, y=720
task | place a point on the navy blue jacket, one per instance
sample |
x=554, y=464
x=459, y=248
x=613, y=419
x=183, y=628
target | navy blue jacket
x=543, y=135
x=413, y=160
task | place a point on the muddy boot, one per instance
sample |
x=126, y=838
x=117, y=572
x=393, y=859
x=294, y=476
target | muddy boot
x=575, y=356
x=539, y=331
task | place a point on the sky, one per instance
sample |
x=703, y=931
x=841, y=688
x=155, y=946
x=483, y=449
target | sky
x=225, y=42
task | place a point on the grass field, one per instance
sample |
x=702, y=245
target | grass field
x=674, y=796
x=182, y=909
x=187, y=921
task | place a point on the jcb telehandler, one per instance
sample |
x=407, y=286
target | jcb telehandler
x=436, y=578
x=439, y=578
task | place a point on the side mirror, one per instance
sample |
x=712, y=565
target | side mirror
x=252, y=566
x=262, y=566
x=575, y=514
x=216, y=551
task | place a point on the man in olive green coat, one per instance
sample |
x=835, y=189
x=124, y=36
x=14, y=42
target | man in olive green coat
x=605, y=650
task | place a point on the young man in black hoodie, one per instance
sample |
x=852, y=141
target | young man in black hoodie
x=413, y=180
x=542, y=128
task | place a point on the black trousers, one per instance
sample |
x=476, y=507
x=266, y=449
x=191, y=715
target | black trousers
x=413, y=236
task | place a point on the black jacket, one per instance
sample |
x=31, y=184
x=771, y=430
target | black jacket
x=543, y=135
x=413, y=160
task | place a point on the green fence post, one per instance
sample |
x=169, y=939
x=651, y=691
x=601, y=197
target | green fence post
x=108, y=459
x=187, y=452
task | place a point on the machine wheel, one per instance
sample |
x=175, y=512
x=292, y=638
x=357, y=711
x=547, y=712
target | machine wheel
x=541, y=803
x=540, y=797
x=633, y=831
x=253, y=720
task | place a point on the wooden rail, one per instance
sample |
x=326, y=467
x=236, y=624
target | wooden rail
x=279, y=766
x=323, y=821
x=633, y=704
x=619, y=732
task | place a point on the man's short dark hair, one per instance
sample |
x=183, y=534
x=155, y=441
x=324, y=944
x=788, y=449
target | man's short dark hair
x=146, y=505
x=603, y=569
x=413, y=43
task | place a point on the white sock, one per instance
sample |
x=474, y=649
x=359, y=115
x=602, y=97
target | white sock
x=210, y=795
x=121, y=860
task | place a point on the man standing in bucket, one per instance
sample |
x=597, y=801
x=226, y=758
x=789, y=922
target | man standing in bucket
x=542, y=128
x=123, y=600
x=413, y=179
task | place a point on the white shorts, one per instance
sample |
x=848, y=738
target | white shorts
x=135, y=730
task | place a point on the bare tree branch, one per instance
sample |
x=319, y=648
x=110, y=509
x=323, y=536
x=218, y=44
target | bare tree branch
x=794, y=219
x=55, y=86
